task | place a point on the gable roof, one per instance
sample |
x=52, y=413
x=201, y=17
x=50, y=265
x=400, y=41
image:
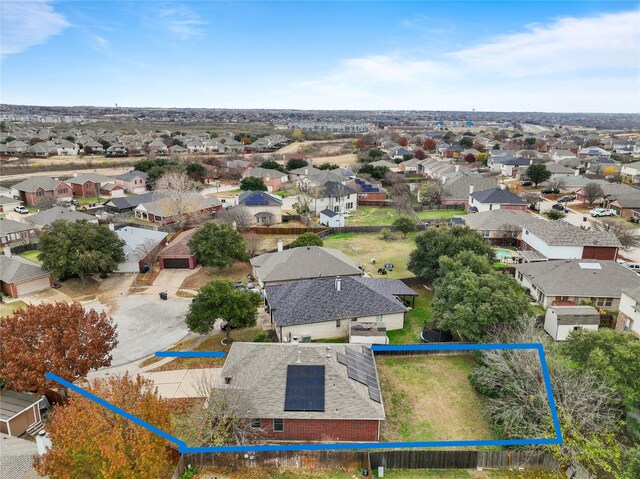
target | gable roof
x=8, y=226
x=498, y=219
x=165, y=208
x=58, y=213
x=92, y=177
x=333, y=188
x=329, y=213
x=179, y=246
x=134, y=237
x=258, y=373
x=457, y=187
x=303, y=263
x=262, y=172
x=15, y=269
x=125, y=202
x=131, y=175
x=497, y=195
x=561, y=233
x=32, y=184
x=258, y=198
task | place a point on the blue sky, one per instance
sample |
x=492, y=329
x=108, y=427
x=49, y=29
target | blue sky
x=492, y=56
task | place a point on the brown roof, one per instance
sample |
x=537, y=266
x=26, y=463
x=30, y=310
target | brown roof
x=178, y=246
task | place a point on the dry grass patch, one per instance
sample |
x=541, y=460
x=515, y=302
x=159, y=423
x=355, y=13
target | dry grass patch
x=280, y=473
x=270, y=242
x=75, y=288
x=429, y=398
x=235, y=272
x=176, y=347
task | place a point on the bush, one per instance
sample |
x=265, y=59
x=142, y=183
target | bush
x=386, y=234
x=554, y=214
x=307, y=239
x=261, y=338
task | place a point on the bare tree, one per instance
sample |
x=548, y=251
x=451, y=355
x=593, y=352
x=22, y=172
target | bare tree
x=556, y=183
x=46, y=203
x=239, y=215
x=628, y=237
x=400, y=191
x=430, y=192
x=592, y=192
x=181, y=195
x=509, y=233
x=305, y=200
x=253, y=243
x=148, y=250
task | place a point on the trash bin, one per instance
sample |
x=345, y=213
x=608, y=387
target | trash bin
x=163, y=295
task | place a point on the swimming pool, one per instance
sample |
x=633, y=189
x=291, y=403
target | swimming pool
x=504, y=254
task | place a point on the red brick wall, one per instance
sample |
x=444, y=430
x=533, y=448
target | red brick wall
x=599, y=252
x=514, y=207
x=32, y=199
x=342, y=430
x=87, y=189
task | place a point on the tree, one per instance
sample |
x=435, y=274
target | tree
x=471, y=298
x=328, y=166
x=482, y=158
x=297, y=135
x=219, y=299
x=180, y=195
x=466, y=142
x=359, y=144
x=628, y=237
x=375, y=154
x=307, y=239
x=295, y=163
x=158, y=167
x=218, y=245
x=554, y=214
x=631, y=461
x=148, y=250
x=496, y=146
x=556, y=183
x=436, y=242
x=592, y=192
x=89, y=440
x=253, y=242
x=376, y=172
x=405, y=225
x=538, y=174
x=79, y=249
x=419, y=154
x=272, y=165
x=239, y=215
x=469, y=158
x=429, y=144
x=196, y=171
x=62, y=338
x=252, y=183
x=529, y=142
x=430, y=192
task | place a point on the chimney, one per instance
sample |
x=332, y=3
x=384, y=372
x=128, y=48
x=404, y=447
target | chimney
x=338, y=284
x=112, y=227
x=457, y=168
x=576, y=173
x=7, y=251
x=43, y=443
x=470, y=189
x=227, y=380
x=280, y=246
x=75, y=174
x=443, y=179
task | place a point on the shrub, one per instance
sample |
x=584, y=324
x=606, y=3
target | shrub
x=554, y=214
x=386, y=234
x=261, y=338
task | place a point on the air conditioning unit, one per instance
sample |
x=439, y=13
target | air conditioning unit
x=306, y=338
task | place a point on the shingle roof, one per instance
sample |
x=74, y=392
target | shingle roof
x=561, y=233
x=570, y=315
x=333, y=188
x=8, y=226
x=93, y=177
x=261, y=172
x=134, y=237
x=329, y=213
x=179, y=246
x=458, y=186
x=258, y=373
x=498, y=195
x=15, y=269
x=568, y=278
x=497, y=219
x=165, y=208
x=258, y=198
x=58, y=213
x=32, y=184
x=303, y=263
x=17, y=458
x=131, y=175
x=135, y=200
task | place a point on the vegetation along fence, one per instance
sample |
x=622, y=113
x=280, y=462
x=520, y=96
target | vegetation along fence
x=21, y=248
x=378, y=203
x=455, y=206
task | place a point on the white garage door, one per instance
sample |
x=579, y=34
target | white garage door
x=32, y=286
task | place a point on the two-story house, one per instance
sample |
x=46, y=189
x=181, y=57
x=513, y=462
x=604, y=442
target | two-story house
x=494, y=199
x=37, y=189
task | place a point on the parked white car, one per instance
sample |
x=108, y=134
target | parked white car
x=632, y=266
x=602, y=212
x=21, y=209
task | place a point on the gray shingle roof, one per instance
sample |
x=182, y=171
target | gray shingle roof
x=497, y=219
x=8, y=226
x=333, y=188
x=497, y=195
x=93, y=177
x=17, y=458
x=561, y=233
x=569, y=315
x=303, y=263
x=458, y=187
x=258, y=373
x=32, y=184
x=317, y=300
x=261, y=172
x=127, y=202
x=16, y=269
x=58, y=213
x=131, y=175
x=569, y=278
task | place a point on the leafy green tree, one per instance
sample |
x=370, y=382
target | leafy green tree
x=219, y=299
x=272, y=165
x=219, y=245
x=529, y=142
x=470, y=298
x=307, y=239
x=631, y=461
x=197, y=171
x=214, y=134
x=328, y=166
x=436, y=242
x=554, y=214
x=613, y=355
x=252, y=183
x=496, y=146
x=405, y=225
x=295, y=163
x=375, y=154
x=158, y=167
x=466, y=142
x=376, y=172
x=79, y=249
x=105, y=144
x=538, y=174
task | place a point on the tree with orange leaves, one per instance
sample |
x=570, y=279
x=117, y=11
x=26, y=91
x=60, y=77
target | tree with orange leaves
x=90, y=441
x=61, y=338
x=429, y=144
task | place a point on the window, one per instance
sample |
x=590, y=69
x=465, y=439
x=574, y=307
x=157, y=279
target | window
x=604, y=302
x=255, y=423
x=349, y=206
x=520, y=276
x=39, y=193
x=379, y=317
x=337, y=323
x=278, y=425
x=336, y=209
x=485, y=233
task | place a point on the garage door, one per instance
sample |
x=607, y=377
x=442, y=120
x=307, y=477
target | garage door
x=33, y=286
x=176, y=263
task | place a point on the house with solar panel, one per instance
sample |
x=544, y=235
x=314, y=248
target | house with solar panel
x=265, y=208
x=304, y=392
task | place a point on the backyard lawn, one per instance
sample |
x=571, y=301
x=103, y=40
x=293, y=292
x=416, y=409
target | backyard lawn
x=7, y=308
x=372, y=216
x=439, y=214
x=429, y=398
x=360, y=248
x=414, y=319
x=32, y=256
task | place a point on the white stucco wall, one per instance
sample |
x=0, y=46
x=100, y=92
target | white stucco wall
x=627, y=304
x=328, y=329
x=551, y=252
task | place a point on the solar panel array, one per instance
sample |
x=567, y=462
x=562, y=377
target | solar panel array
x=305, y=388
x=362, y=368
x=257, y=199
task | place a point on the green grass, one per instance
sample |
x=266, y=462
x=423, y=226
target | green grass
x=286, y=193
x=440, y=214
x=32, y=256
x=372, y=216
x=7, y=308
x=91, y=199
x=414, y=320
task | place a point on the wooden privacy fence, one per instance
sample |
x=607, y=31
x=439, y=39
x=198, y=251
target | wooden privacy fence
x=454, y=206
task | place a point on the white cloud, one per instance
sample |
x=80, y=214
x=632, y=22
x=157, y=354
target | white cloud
x=572, y=64
x=28, y=23
x=181, y=22
x=101, y=44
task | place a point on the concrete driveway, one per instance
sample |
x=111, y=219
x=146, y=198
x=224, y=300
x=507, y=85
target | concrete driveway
x=171, y=279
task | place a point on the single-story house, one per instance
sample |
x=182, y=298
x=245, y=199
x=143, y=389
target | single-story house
x=19, y=411
x=331, y=219
x=165, y=211
x=126, y=204
x=19, y=276
x=88, y=184
x=177, y=255
x=456, y=188
x=141, y=246
x=629, y=312
x=16, y=232
x=560, y=321
x=304, y=392
x=325, y=307
x=499, y=226
x=265, y=208
x=46, y=217
x=38, y=188
x=272, y=179
x=575, y=282
x=631, y=172
x=305, y=262
x=494, y=199
x=8, y=204
x=133, y=181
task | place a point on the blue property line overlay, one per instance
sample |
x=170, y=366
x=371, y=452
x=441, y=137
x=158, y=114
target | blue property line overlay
x=191, y=354
x=183, y=448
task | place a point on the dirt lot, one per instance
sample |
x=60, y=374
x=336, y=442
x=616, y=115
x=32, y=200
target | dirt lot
x=236, y=272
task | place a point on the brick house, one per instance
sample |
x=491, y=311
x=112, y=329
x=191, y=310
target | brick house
x=272, y=179
x=304, y=392
x=165, y=211
x=177, y=254
x=19, y=276
x=133, y=181
x=34, y=190
x=88, y=184
x=16, y=232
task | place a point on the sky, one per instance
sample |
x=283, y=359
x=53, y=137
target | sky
x=579, y=56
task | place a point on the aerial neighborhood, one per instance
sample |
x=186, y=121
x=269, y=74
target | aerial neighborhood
x=299, y=253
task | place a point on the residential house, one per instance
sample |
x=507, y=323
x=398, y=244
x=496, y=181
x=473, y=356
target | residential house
x=46, y=217
x=16, y=147
x=367, y=191
x=560, y=321
x=19, y=412
x=631, y=173
x=325, y=307
x=273, y=179
x=304, y=392
x=127, y=204
x=560, y=155
x=66, y=148
x=265, y=208
x=40, y=149
x=500, y=226
x=158, y=147
x=88, y=184
x=386, y=164
x=140, y=248
x=299, y=173
x=592, y=152
x=8, y=204
x=117, y=150
x=624, y=199
x=576, y=282
x=497, y=158
x=133, y=182
x=331, y=219
x=336, y=197
x=93, y=147
x=456, y=188
x=112, y=190
x=165, y=211
x=19, y=276
x=15, y=232
x=629, y=312
x=559, y=170
x=399, y=153
x=177, y=254
x=494, y=199
x=305, y=262
x=17, y=457
x=508, y=166
x=561, y=240
x=37, y=189
x=410, y=166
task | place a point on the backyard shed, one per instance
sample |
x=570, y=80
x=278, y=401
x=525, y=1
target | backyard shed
x=18, y=412
x=560, y=321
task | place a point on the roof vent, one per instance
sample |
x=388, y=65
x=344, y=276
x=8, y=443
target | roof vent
x=227, y=380
x=298, y=361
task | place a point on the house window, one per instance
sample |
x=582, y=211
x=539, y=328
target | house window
x=337, y=323
x=255, y=423
x=379, y=317
x=349, y=206
x=336, y=209
x=485, y=233
x=606, y=302
x=520, y=276
x=40, y=193
x=278, y=425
